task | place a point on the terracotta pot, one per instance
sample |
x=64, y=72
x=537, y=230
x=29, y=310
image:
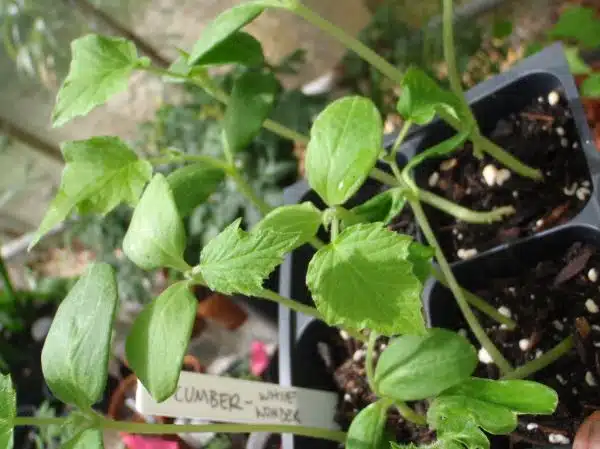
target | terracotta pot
x=223, y=310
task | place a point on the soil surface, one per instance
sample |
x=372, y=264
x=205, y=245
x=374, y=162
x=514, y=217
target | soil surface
x=542, y=135
x=555, y=299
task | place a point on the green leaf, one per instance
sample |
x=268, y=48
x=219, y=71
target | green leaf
x=159, y=338
x=382, y=207
x=576, y=63
x=441, y=149
x=238, y=262
x=238, y=48
x=88, y=439
x=364, y=280
x=345, y=141
x=591, y=86
x=302, y=220
x=459, y=410
x=417, y=367
x=422, y=98
x=580, y=24
x=462, y=433
x=76, y=351
x=156, y=236
x=100, y=173
x=502, y=29
x=192, y=185
x=367, y=430
x=226, y=24
x=251, y=102
x=100, y=68
x=520, y=396
x=8, y=411
x=420, y=256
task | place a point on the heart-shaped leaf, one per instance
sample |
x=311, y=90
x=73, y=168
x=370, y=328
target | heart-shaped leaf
x=251, y=102
x=156, y=236
x=415, y=367
x=76, y=350
x=303, y=220
x=226, y=24
x=100, y=68
x=345, y=141
x=236, y=261
x=363, y=279
x=421, y=98
x=367, y=430
x=100, y=173
x=192, y=185
x=8, y=411
x=159, y=338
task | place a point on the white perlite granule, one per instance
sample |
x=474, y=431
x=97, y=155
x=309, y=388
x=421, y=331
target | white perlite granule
x=484, y=356
x=557, y=438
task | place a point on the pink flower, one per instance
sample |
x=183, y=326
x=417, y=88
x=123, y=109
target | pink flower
x=259, y=359
x=144, y=442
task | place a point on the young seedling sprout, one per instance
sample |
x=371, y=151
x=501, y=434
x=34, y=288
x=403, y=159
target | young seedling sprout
x=363, y=259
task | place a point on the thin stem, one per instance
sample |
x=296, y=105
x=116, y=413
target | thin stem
x=285, y=132
x=449, y=54
x=7, y=283
x=409, y=414
x=401, y=136
x=335, y=228
x=383, y=177
x=470, y=317
x=290, y=303
x=32, y=421
x=249, y=192
x=369, y=364
x=182, y=157
x=543, y=361
x=479, y=303
x=349, y=42
x=155, y=429
x=316, y=243
x=462, y=213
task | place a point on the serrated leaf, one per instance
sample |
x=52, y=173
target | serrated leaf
x=76, y=350
x=249, y=106
x=238, y=262
x=578, y=23
x=224, y=26
x=8, y=411
x=591, y=86
x=459, y=410
x=159, y=338
x=422, y=98
x=302, y=220
x=462, y=434
x=441, y=149
x=100, y=173
x=520, y=396
x=382, y=207
x=421, y=258
x=156, y=236
x=367, y=430
x=576, y=63
x=100, y=67
x=192, y=185
x=345, y=141
x=416, y=367
x=364, y=280
x=88, y=439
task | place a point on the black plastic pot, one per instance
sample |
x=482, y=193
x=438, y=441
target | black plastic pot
x=535, y=76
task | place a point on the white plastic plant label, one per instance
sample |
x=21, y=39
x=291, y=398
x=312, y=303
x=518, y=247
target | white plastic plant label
x=213, y=398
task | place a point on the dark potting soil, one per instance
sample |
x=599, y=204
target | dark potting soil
x=555, y=299
x=543, y=136
x=356, y=394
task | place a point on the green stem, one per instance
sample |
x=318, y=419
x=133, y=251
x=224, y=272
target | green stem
x=349, y=42
x=290, y=303
x=7, y=283
x=462, y=213
x=369, y=364
x=449, y=54
x=285, y=132
x=410, y=415
x=316, y=243
x=249, y=192
x=160, y=429
x=32, y=421
x=335, y=228
x=543, y=361
x=457, y=291
x=479, y=303
x=403, y=132
x=182, y=157
x=383, y=177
